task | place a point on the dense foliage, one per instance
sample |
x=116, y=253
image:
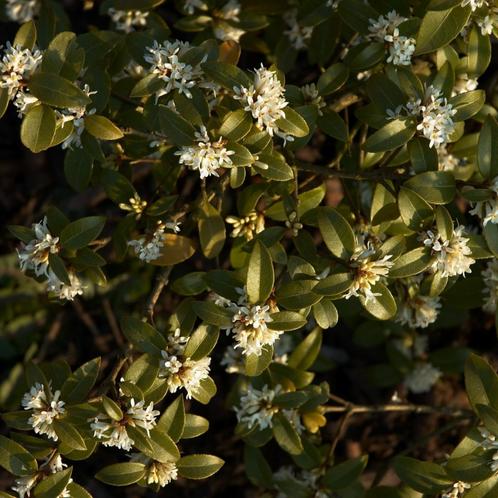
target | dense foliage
x=282, y=215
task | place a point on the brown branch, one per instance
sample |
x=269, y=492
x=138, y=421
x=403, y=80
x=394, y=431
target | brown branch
x=161, y=281
x=50, y=337
x=400, y=408
x=113, y=323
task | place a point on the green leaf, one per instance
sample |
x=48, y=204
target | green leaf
x=469, y=468
x=331, y=123
x=392, y=135
x=226, y=75
x=490, y=232
x=78, y=167
x=57, y=91
x=59, y=268
x=257, y=468
x=286, y=320
x=211, y=228
x=333, y=78
x=147, y=86
x=121, y=474
x=53, y=485
x=260, y=274
x=325, y=314
x=201, y=342
x=38, y=128
x=344, y=474
x=487, y=148
x=478, y=53
x=173, y=419
x=467, y=104
x=26, y=36
x=69, y=435
x=411, y=263
x=306, y=352
x=80, y=383
x=336, y=232
x=336, y=283
x=213, y=314
x=489, y=417
x=382, y=305
x=286, y=435
x=15, y=459
x=440, y=27
x=236, y=125
x=415, y=212
x=175, y=127
x=162, y=447
x=297, y=294
x=255, y=364
x=81, y=232
x=293, y=123
x=425, y=477
x=112, y=408
x=275, y=167
x=142, y=372
x=102, y=128
x=142, y=335
x=199, y=466
x=195, y=425
x=481, y=382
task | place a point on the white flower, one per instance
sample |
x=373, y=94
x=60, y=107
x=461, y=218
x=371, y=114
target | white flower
x=256, y=407
x=114, y=432
x=224, y=30
x=16, y=66
x=24, y=101
x=367, y=271
x=418, y=311
x=250, y=329
x=191, y=5
x=488, y=22
x=206, y=156
x=180, y=371
x=24, y=485
x=34, y=255
x=490, y=443
x=312, y=96
x=464, y=84
x=447, y=161
x=76, y=116
x=22, y=11
x=148, y=248
x=128, y=20
x=164, y=60
x=265, y=100
x=63, y=290
x=46, y=407
x=422, y=378
x=246, y=226
x=490, y=278
x=452, y=256
x=161, y=473
x=457, y=490
x=488, y=210
x=474, y=4
x=385, y=29
x=297, y=34
x=437, y=123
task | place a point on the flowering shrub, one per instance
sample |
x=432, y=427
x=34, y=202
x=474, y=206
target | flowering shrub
x=282, y=215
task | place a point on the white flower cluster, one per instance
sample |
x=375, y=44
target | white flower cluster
x=490, y=290
x=265, y=101
x=488, y=23
x=34, y=256
x=310, y=478
x=489, y=442
x=113, y=432
x=385, y=29
x=418, y=311
x=223, y=27
x=257, y=408
x=46, y=407
x=164, y=60
x=464, y=84
x=457, y=490
x=447, y=161
x=297, y=34
x=422, y=378
x=22, y=11
x=206, y=156
x=128, y=20
x=247, y=226
x=24, y=485
x=452, y=256
x=367, y=271
x=134, y=205
x=180, y=371
x=148, y=248
x=16, y=66
x=161, y=473
x=488, y=210
x=249, y=324
x=190, y=6
x=312, y=96
x=474, y=4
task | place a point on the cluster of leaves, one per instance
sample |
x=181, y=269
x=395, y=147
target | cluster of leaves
x=134, y=132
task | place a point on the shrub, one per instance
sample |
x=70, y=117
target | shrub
x=287, y=218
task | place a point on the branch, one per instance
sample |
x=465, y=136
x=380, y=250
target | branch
x=161, y=281
x=400, y=408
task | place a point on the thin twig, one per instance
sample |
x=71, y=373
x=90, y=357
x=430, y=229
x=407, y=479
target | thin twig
x=161, y=282
x=50, y=337
x=355, y=409
x=85, y=318
x=113, y=323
